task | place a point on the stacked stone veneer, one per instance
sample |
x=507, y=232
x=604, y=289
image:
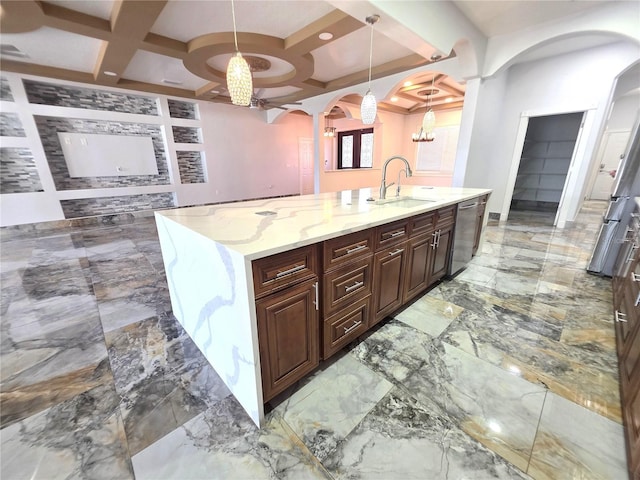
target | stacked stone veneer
x=178, y=109
x=5, y=90
x=186, y=134
x=112, y=205
x=77, y=97
x=191, y=167
x=48, y=127
x=18, y=172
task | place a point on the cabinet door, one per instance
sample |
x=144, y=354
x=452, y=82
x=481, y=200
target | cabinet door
x=418, y=257
x=441, y=254
x=288, y=334
x=388, y=278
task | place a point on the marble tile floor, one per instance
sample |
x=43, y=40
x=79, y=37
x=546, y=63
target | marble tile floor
x=506, y=371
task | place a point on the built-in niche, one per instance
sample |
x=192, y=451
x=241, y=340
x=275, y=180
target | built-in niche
x=18, y=172
x=191, y=166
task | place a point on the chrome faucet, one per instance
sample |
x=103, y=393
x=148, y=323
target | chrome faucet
x=383, y=185
x=398, y=185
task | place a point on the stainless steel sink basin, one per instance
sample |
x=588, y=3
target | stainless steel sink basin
x=405, y=202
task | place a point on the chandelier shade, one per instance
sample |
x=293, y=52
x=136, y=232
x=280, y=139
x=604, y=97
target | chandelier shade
x=368, y=108
x=239, y=81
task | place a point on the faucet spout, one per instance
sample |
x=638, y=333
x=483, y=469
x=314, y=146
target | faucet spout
x=383, y=184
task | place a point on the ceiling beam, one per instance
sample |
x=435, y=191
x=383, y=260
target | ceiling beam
x=131, y=21
x=307, y=39
x=75, y=22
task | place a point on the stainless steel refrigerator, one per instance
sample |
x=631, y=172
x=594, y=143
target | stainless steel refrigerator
x=626, y=187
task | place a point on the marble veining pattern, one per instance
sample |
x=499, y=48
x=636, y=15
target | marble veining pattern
x=507, y=371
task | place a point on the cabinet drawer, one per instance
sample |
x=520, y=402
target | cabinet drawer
x=424, y=223
x=340, y=250
x=446, y=216
x=345, y=326
x=391, y=234
x=347, y=284
x=284, y=269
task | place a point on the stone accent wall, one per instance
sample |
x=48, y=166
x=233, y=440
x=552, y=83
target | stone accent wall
x=186, y=135
x=77, y=97
x=18, y=172
x=191, y=167
x=5, y=90
x=48, y=127
x=86, y=207
x=178, y=109
x=10, y=125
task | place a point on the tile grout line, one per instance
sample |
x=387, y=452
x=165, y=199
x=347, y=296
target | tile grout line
x=535, y=437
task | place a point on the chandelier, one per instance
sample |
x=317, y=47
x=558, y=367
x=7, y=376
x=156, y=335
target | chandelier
x=426, y=133
x=239, y=82
x=369, y=107
x=329, y=130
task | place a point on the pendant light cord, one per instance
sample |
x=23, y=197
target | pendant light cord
x=370, y=54
x=233, y=14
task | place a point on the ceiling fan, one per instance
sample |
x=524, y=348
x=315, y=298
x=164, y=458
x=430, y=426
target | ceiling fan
x=263, y=103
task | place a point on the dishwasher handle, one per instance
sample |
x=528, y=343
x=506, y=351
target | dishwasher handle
x=466, y=207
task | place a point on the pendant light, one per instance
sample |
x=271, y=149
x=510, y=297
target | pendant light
x=428, y=121
x=369, y=107
x=239, y=82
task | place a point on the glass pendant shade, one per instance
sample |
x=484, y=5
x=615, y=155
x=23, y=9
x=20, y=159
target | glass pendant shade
x=239, y=82
x=368, y=108
x=429, y=121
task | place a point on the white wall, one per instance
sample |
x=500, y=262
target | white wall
x=578, y=81
x=246, y=157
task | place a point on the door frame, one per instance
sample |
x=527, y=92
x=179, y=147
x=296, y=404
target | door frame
x=569, y=190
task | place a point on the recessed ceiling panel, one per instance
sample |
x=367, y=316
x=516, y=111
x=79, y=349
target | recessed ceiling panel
x=96, y=8
x=55, y=48
x=350, y=54
x=276, y=92
x=187, y=19
x=153, y=68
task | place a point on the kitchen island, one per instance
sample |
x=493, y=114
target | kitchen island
x=247, y=278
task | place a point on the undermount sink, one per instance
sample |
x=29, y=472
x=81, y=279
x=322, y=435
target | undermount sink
x=406, y=202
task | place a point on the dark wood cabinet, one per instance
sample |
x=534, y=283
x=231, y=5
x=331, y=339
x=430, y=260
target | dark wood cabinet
x=441, y=253
x=419, y=255
x=288, y=336
x=388, y=274
x=626, y=297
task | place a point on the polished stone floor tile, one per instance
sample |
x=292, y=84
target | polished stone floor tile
x=577, y=441
x=223, y=443
x=162, y=378
x=508, y=368
x=429, y=314
x=401, y=439
x=80, y=437
x=331, y=403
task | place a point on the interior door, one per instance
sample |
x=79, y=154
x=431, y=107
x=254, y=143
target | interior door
x=305, y=154
x=615, y=144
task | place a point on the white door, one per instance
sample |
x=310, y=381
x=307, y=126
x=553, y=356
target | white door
x=305, y=154
x=615, y=144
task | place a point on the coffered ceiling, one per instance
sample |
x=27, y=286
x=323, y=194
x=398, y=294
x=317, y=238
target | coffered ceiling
x=299, y=48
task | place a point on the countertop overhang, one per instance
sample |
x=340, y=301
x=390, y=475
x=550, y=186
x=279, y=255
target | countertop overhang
x=259, y=228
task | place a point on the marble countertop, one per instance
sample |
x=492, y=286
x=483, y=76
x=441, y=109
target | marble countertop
x=259, y=228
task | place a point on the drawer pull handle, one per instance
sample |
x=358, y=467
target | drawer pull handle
x=397, y=234
x=637, y=301
x=632, y=252
x=434, y=244
x=290, y=271
x=316, y=301
x=353, y=287
x=355, y=249
x=352, y=327
x=395, y=252
x=635, y=277
x=620, y=317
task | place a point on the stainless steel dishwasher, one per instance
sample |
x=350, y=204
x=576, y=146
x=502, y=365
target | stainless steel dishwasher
x=464, y=235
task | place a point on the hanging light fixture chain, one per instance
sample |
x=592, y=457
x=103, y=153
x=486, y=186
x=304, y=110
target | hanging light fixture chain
x=370, y=53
